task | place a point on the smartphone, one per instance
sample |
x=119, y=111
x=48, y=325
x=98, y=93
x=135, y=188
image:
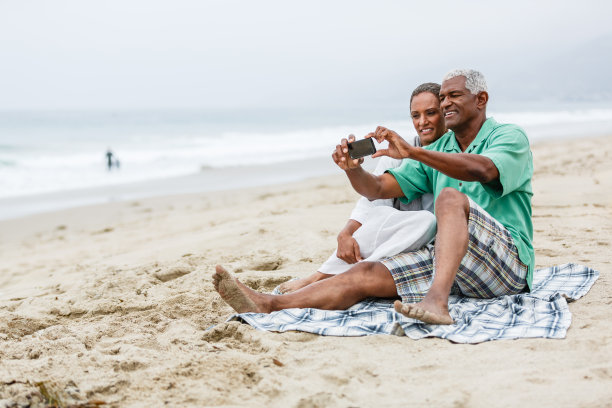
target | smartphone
x=361, y=148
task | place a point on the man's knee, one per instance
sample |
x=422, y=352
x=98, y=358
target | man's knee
x=361, y=271
x=451, y=199
x=370, y=279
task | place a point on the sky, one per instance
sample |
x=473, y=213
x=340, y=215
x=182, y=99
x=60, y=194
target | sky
x=198, y=54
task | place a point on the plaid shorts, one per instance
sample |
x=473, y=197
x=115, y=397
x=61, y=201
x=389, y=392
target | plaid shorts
x=490, y=268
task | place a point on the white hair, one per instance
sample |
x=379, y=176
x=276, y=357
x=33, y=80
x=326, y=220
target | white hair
x=474, y=81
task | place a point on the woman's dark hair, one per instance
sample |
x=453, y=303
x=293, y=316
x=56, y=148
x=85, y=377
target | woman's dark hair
x=430, y=87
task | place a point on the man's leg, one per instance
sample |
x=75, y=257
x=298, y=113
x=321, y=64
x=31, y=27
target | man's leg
x=452, y=212
x=365, y=279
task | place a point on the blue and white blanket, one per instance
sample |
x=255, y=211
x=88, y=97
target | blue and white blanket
x=541, y=313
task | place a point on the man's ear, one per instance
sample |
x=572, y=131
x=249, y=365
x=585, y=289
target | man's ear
x=481, y=99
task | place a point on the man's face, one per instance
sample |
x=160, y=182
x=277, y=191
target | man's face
x=458, y=104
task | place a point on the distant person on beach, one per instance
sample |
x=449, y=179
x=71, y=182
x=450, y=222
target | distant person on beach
x=480, y=175
x=415, y=228
x=109, y=160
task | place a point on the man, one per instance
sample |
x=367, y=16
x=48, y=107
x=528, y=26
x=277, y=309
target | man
x=480, y=175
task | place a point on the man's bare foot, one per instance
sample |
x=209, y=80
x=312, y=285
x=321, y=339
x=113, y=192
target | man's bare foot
x=298, y=284
x=424, y=311
x=241, y=298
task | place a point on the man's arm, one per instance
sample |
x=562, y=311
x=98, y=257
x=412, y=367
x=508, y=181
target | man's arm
x=460, y=166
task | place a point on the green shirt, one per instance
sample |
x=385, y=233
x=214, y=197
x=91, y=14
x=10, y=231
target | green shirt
x=508, y=199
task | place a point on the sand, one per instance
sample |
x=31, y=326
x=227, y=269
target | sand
x=112, y=303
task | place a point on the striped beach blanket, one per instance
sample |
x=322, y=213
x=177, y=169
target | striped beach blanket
x=541, y=313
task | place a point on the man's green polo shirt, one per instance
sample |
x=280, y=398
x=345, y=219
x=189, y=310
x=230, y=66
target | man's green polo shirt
x=508, y=199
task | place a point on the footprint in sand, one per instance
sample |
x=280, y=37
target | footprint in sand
x=266, y=284
x=321, y=399
x=271, y=264
x=166, y=275
x=236, y=335
x=548, y=252
x=604, y=373
x=222, y=331
x=103, y=231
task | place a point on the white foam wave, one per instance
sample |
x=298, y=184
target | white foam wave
x=67, y=159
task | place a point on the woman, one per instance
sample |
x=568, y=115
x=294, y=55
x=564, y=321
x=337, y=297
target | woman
x=377, y=229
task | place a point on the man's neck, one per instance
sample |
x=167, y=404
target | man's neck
x=466, y=134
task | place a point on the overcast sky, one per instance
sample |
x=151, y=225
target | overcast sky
x=133, y=54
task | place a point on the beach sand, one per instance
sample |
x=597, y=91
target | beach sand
x=111, y=303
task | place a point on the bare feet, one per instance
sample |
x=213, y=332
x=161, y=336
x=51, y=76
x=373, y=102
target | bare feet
x=424, y=311
x=241, y=298
x=298, y=284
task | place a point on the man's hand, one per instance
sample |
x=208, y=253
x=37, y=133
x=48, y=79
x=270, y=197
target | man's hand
x=341, y=156
x=348, y=249
x=398, y=147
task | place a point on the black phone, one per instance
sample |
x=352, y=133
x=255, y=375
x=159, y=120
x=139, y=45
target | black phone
x=361, y=148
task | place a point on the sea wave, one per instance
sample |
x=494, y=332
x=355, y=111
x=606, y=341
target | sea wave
x=72, y=155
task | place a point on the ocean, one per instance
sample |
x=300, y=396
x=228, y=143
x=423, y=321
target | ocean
x=54, y=152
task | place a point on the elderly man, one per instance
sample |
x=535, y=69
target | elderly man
x=480, y=175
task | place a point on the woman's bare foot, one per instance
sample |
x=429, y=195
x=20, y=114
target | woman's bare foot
x=298, y=284
x=427, y=312
x=241, y=298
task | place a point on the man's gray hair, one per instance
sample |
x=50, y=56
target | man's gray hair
x=474, y=81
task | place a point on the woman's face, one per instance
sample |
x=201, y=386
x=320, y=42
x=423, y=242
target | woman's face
x=427, y=117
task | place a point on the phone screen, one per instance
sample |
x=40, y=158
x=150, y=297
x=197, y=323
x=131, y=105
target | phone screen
x=361, y=148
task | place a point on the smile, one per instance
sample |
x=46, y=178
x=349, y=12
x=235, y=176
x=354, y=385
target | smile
x=449, y=113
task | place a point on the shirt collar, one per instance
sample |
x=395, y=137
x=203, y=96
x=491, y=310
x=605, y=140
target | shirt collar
x=453, y=146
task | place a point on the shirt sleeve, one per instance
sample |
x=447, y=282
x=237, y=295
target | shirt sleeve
x=509, y=150
x=413, y=179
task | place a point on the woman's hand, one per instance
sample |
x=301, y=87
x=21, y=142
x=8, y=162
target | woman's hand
x=341, y=156
x=348, y=249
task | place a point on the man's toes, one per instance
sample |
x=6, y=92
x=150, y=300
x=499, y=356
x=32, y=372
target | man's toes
x=418, y=313
x=216, y=279
x=403, y=308
x=415, y=311
x=409, y=310
x=223, y=274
